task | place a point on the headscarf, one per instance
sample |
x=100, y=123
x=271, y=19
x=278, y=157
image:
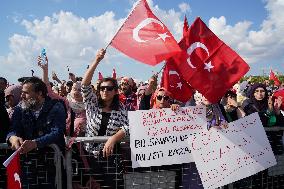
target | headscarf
x=80, y=114
x=261, y=105
x=153, y=98
x=76, y=106
x=15, y=91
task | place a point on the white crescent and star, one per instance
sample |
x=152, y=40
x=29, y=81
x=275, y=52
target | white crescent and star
x=179, y=84
x=207, y=66
x=142, y=24
x=17, y=178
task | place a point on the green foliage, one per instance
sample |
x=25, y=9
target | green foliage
x=261, y=79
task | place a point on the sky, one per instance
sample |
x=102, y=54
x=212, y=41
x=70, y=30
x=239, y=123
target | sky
x=72, y=31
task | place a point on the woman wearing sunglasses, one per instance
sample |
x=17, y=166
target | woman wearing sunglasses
x=156, y=98
x=105, y=117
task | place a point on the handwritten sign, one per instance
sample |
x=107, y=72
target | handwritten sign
x=160, y=136
x=223, y=156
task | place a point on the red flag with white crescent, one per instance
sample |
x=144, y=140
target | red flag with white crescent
x=174, y=83
x=144, y=37
x=13, y=170
x=113, y=73
x=185, y=26
x=273, y=77
x=100, y=76
x=207, y=63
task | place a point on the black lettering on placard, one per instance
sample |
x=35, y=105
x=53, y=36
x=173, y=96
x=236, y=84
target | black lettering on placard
x=149, y=156
x=140, y=143
x=179, y=151
x=183, y=137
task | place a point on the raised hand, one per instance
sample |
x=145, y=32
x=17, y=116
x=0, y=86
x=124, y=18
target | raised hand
x=40, y=64
x=277, y=104
x=232, y=102
x=152, y=85
x=270, y=103
x=100, y=55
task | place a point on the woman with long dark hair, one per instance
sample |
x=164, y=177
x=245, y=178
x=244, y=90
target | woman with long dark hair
x=106, y=116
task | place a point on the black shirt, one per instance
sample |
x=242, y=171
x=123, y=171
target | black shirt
x=104, y=123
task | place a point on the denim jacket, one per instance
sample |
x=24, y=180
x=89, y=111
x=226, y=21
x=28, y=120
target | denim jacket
x=47, y=129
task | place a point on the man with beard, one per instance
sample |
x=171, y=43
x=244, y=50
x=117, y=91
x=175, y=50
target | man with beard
x=37, y=122
x=126, y=95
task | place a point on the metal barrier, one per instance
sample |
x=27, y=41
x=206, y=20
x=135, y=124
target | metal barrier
x=173, y=176
x=33, y=165
x=81, y=170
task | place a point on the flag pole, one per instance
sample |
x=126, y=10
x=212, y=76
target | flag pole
x=123, y=23
x=161, y=69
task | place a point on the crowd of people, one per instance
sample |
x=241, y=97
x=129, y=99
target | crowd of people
x=38, y=112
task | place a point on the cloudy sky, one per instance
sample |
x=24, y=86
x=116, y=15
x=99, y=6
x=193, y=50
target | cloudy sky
x=72, y=31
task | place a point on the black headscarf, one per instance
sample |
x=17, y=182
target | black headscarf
x=261, y=105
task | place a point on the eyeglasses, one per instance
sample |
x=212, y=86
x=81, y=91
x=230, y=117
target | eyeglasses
x=166, y=98
x=108, y=88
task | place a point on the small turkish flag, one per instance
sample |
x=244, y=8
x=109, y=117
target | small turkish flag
x=185, y=26
x=113, y=73
x=13, y=169
x=172, y=79
x=273, y=77
x=100, y=76
x=207, y=63
x=174, y=83
x=144, y=37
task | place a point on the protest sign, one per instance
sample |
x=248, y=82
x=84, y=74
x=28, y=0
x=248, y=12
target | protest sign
x=223, y=156
x=160, y=136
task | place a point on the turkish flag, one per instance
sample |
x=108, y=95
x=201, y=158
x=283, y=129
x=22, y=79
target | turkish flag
x=172, y=79
x=185, y=26
x=273, y=77
x=144, y=37
x=113, y=73
x=100, y=76
x=174, y=83
x=207, y=63
x=13, y=169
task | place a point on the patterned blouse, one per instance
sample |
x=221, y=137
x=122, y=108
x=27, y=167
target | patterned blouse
x=118, y=119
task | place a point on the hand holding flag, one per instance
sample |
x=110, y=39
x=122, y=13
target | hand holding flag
x=172, y=79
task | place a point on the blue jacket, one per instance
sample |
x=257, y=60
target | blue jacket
x=47, y=129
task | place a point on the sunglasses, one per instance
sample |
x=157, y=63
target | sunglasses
x=166, y=98
x=108, y=88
